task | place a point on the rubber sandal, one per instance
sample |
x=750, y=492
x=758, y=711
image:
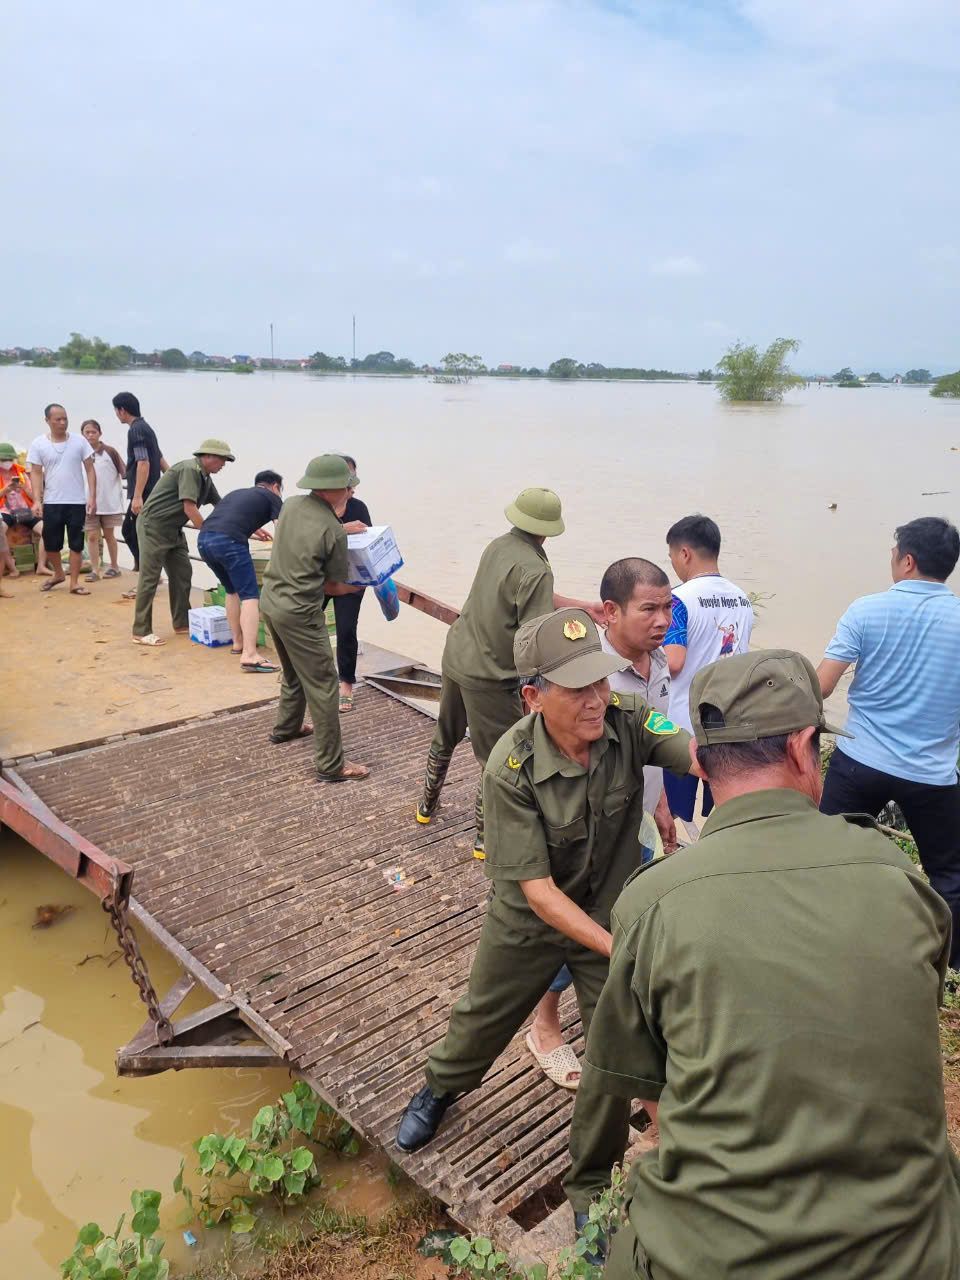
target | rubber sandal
x=54, y=582
x=80, y=591
x=259, y=668
x=149, y=642
x=111, y=573
x=236, y=652
x=93, y=577
x=129, y=595
x=305, y=732
x=345, y=777
x=346, y=703
x=557, y=1064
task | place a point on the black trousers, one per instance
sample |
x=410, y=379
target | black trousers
x=128, y=531
x=932, y=814
x=346, y=611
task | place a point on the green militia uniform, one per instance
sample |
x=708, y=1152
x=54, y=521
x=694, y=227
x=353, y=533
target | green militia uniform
x=309, y=550
x=163, y=547
x=776, y=988
x=549, y=816
x=479, y=690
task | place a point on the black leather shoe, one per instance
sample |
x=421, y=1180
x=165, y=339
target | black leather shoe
x=421, y=1119
x=596, y=1256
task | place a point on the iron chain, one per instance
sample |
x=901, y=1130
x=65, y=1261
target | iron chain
x=117, y=911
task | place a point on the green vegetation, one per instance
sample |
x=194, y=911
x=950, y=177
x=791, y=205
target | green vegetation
x=705, y=375
x=97, y=1256
x=567, y=367
x=173, y=358
x=917, y=377
x=90, y=353
x=748, y=374
x=947, y=387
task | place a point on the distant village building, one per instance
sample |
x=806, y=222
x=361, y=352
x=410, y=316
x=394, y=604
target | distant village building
x=507, y=368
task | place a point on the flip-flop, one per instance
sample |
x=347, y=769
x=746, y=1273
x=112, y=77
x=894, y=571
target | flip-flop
x=54, y=582
x=93, y=577
x=111, y=573
x=80, y=591
x=129, y=595
x=236, y=651
x=305, y=732
x=149, y=642
x=344, y=776
x=346, y=703
x=557, y=1065
x=259, y=668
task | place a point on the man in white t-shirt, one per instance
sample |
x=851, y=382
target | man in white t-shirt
x=712, y=619
x=637, y=605
x=111, y=473
x=58, y=462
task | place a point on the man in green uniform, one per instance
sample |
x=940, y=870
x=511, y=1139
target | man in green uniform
x=513, y=583
x=773, y=990
x=309, y=561
x=563, y=796
x=175, y=502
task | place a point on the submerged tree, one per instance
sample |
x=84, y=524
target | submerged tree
x=947, y=387
x=747, y=373
x=91, y=353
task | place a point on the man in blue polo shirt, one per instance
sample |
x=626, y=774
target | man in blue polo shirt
x=905, y=703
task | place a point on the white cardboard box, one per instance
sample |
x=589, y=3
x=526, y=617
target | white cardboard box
x=374, y=556
x=209, y=626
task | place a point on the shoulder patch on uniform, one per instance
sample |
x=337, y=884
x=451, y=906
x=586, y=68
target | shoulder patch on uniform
x=614, y=699
x=513, y=763
x=656, y=722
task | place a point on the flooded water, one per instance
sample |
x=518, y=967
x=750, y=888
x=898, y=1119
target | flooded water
x=438, y=463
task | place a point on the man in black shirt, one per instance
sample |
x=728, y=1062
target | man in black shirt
x=145, y=465
x=223, y=545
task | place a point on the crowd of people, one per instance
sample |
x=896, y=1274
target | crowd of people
x=769, y=992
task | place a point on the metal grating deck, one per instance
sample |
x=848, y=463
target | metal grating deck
x=276, y=886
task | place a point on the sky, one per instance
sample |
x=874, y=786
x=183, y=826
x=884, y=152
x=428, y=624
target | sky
x=636, y=182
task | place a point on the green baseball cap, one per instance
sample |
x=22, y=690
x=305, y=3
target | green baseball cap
x=218, y=448
x=762, y=694
x=329, y=471
x=564, y=647
x=536, y=511
x=7, y=453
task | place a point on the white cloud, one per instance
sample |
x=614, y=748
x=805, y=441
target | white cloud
x=679, y=266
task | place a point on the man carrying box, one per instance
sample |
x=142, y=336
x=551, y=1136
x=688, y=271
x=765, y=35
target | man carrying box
x=309, y=561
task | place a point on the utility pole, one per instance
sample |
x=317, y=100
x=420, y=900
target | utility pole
x=354, y=361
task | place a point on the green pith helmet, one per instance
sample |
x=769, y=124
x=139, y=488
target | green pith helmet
x=565, y=647
x=7, y=453
x=329, y=471
x=219, y=449
x=763, y=694
x=536, y=511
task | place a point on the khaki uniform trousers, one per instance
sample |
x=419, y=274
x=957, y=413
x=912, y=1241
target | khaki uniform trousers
x=309, y=680
x=162, y=551
x=510, y=973
x=488, y=712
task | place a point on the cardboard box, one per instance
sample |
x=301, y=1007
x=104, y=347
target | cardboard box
x=374, y=556
x=209, y=626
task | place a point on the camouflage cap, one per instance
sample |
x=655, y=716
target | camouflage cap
x=536, y=511
x=7, y=452
x=218, y=448
x=564, y=647
x=762, y=694
x=328, y=471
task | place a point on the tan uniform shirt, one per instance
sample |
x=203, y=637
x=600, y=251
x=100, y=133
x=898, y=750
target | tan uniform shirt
x=776, y=987
x=547, y=815
x=309, y=550
x=513, y=583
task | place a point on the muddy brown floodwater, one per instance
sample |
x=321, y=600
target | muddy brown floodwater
x=439, y=463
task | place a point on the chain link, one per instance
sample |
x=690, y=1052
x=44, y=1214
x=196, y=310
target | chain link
x=117, y=911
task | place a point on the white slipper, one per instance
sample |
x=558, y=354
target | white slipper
x=151, y=641
x=557, y=1065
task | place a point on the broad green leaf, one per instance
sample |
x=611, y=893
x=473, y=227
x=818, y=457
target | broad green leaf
x=262, y=1120
x=208, y=1162
x=235, y=1148
x=90, y=1234
x=295, y=1183
x=273, y=1168
x=245, y=1163
x=460, y=1249
x=243, y=1223
x=145, y=1222
x=482, y=1246
x=178, y=1180
x=301, y=1158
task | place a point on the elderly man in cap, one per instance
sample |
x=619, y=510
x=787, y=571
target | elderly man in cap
x=479, y=692
x=309, y=562
x=563, y=797
x=174, y=503
x=773, y=991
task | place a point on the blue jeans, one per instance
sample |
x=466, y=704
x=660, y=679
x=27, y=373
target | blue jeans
x=565, y=977
x=230, y=560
